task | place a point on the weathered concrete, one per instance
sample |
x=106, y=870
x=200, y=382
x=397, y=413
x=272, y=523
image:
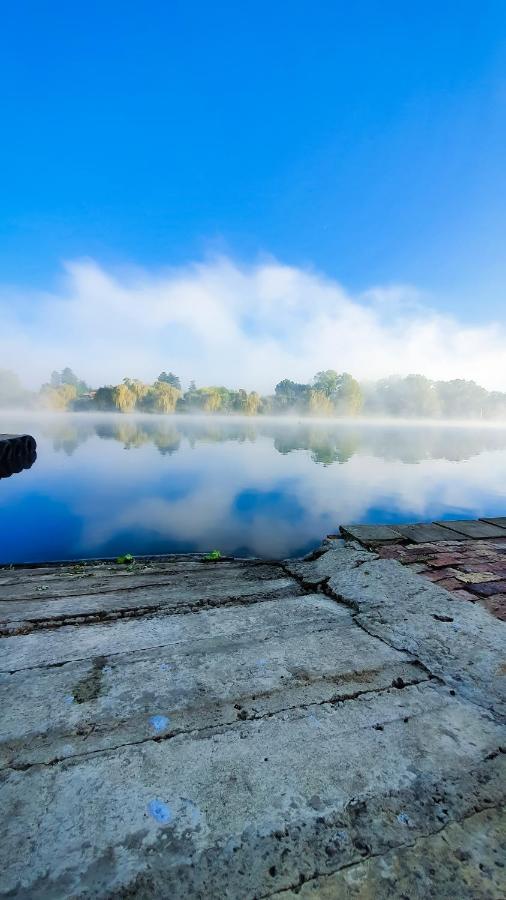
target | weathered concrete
x=423, y=532
x=327, y=728
x=472, y=570
x=371, y=533
x=470, y=858
x=473, y=529
x=458, y=642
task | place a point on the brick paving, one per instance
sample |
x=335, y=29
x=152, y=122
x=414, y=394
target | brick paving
x=473, y=570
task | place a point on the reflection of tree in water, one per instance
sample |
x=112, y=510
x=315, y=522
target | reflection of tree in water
x=413, y=444
x=327, y=444
x=67, y=434
x=168, y=441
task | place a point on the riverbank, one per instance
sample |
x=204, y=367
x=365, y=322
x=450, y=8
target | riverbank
x=327, y=727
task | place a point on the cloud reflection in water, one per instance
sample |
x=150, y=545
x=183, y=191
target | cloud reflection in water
x=105, y=485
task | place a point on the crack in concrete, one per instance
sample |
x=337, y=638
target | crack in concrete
x=234, y=724
x=324, y=587
x=139, y=612
x=360, y=620
x=296, y=886
x=229, y=565
x=111, y=653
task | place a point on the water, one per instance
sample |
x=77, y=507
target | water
x=109, y=485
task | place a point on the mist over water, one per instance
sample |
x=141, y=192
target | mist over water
x=105, y=485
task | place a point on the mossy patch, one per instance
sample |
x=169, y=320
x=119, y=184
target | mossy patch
x=90, y=687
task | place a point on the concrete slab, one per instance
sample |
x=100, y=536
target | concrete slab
x=469, y=854
x=145, y=599
x=473, y=529
x=500, y=521
x=371, y=534
x=245, y=812
x=219, y=679
x=458, y=642
x=423, y=533
x=329, y=725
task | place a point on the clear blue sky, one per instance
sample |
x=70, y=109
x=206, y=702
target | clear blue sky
x=367, y=139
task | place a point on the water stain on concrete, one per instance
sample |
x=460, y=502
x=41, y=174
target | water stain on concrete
x=91, y=685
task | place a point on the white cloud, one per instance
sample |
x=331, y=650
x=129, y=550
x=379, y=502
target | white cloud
x=250, y=326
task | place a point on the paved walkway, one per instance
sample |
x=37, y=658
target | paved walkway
x=467, y=558
x=323, y=728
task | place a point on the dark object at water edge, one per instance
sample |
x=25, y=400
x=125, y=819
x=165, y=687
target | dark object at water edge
x=17, y=452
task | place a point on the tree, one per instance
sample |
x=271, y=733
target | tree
x=212, y=399
x=172, y=379
x=104, y=398
x=326, y=383
x=124, y=399
x=462, y=399
x=349, y=399
x=138, y=388
x=412, y=396
x=161, y=398
x=67, y=376
x=252, y=404
x=291, y=394
x=58, y=397
x=342, y=391
x=319, y=403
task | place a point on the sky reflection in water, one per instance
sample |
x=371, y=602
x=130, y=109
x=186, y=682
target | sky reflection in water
x=108, y=485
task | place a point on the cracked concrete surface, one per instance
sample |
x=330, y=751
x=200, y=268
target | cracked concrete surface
x=320, y=728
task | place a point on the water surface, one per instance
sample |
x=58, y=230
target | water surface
x=105, y=485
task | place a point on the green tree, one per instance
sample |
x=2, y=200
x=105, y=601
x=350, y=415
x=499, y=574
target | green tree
x=252, y=405
x=326, y=383
x=138, y=388
x=342, y=391
x=349, y=398
x=291, y=395
x=104, y=398
x=319, y=403
x=212, y=399
x=170, y=378
x=462, y=399
x=60, y=397
x=412, y=396
x=67, y=376
x=124, y=399
x=162, y=397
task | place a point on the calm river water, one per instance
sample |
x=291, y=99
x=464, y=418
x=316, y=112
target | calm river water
x=106, y=485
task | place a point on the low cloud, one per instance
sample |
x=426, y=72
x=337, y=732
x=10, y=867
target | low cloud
x=245, y=326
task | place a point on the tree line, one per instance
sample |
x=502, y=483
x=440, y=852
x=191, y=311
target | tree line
x=329, y=394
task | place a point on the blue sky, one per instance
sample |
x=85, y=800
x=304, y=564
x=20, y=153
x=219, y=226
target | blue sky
x=242, y=192
x=366, y=140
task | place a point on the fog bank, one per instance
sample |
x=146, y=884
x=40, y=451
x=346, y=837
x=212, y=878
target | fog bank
x=220, y=322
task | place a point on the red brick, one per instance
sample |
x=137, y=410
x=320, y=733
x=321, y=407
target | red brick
x=450, y=584
x=440, y=562
x=434, y=575
x=488, y=588
x=464, y=595
x=496, y=604
x=392, y=551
